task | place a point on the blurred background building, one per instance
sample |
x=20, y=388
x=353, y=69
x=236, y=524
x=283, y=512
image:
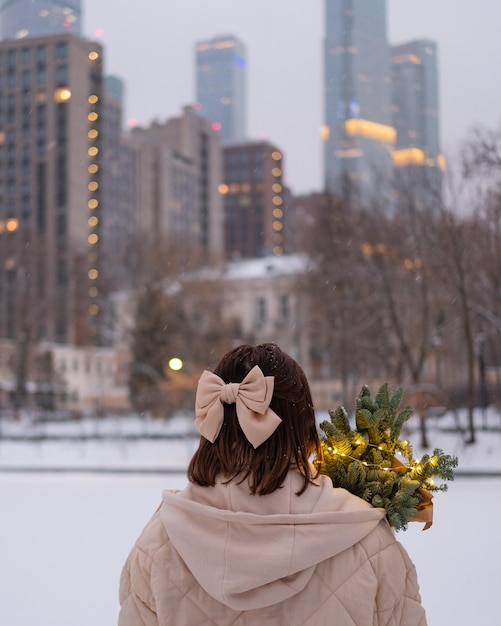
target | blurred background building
x=221, y=86
x=179, y=166
x=37, y=18
x=50, y=122
x=415, y=112
x=357, y=133
x=255, y=200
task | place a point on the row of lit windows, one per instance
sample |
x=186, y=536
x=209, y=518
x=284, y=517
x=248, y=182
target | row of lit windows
x=93, y=198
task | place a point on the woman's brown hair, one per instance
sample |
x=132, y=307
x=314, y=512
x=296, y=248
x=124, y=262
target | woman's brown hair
x=290, y=446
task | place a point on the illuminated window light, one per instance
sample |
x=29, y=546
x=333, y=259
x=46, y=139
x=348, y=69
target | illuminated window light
x=93, y=221
x=325, y=133
x=276, y=187
x=93, y=186
x=223, y=189
x=93, y=151
x=62, y=95
x=441, y=162
x=93, y=55
x=93, y=203
x=277, y=225
x=93, y=168
x=92, y=99
x=92, y=134
x=93, y=274
x=93, y=116
x=276, y=171
x=12, y=224
x=92, y=239
x=277, y=200
x=276, y=156
x=408, y=156
x=357, y=127
x=349, y=153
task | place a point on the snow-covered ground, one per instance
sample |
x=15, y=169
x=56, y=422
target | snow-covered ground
x=65, y=535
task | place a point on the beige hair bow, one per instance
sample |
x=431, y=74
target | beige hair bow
x=252, y=398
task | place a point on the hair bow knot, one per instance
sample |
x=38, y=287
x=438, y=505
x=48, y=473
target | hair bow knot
x=252, y=398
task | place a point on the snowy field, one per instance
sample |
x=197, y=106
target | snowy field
x=65, y=535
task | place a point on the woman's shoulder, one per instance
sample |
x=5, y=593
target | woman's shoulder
x=153, y=537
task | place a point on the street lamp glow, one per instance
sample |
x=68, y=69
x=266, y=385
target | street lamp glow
x=175, y=364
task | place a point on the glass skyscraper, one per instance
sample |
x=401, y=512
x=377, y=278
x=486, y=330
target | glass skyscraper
x=38, y=18
x=358, y=136
x=221, y=86
x=415, y=111
x=415, y=102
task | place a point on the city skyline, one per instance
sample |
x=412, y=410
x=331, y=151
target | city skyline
x=154, y=53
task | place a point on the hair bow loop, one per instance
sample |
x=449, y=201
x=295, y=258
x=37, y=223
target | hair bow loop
x=252, y=398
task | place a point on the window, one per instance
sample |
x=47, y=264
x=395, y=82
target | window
x=26, y=56
x=62, y=51
x=41, y=54
x=41, y=75
x=284, y=308
x=260, y=311
x=61, y=76
x=11, y=59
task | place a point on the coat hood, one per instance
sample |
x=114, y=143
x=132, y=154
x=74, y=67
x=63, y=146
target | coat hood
x=249, y=551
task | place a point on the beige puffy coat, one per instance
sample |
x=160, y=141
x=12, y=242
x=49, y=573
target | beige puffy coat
x=219, y=555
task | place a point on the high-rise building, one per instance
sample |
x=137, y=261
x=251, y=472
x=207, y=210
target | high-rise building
x=255, y=200
x=179, y=167
x=415, y=106
x=50, y=198
x=357, y=133
x=117, y=190
x=36, y=18
x=221, y=86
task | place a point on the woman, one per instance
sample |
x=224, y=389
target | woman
x=257, y=536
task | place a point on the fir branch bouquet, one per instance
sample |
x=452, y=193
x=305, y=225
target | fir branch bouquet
x=364, y=461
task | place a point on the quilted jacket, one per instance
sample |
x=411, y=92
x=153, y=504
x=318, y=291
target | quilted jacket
x=220, y=555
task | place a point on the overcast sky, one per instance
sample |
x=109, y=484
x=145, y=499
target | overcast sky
x=150, y=44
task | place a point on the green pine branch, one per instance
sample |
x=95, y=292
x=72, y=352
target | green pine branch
x=363, y=460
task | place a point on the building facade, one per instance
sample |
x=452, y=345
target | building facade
x=221, y=86
x=117, y=190
x=358, y=136
x=415, y=109
x=255, y=200
x=37, y=18
x=179, y=167
x=50, y=203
